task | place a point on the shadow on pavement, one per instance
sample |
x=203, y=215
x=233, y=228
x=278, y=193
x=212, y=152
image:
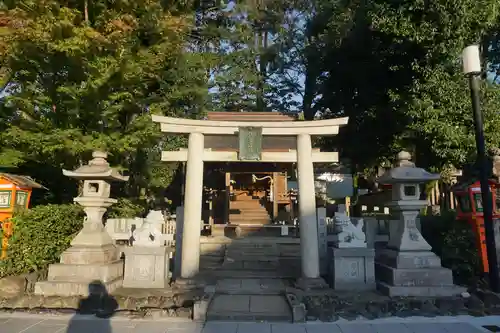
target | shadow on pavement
x=100, y=304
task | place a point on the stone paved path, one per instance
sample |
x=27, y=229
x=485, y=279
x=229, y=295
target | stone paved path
x=24, y=323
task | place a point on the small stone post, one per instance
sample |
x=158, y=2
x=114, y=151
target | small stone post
x=92, y=255
x=408, y=267
x=147, y=260
x=322, y=240
x=352, y=262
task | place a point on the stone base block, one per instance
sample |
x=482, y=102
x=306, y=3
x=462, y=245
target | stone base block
x=79, y=272
x=146, y=267
x=352, y=269
x=90, y=255
x=413, y=273
x=413, y=259
x=72, y=288
x=414, y=277
x=420, y=291
x=308, y=284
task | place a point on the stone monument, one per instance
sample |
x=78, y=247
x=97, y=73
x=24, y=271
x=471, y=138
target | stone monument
x=407, y=267
x=147, y=260
x=92, y=255
x=352, y=263
x=322, y=240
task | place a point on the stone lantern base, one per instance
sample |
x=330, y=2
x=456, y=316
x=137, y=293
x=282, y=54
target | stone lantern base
x=412, y=274
x=79, y=267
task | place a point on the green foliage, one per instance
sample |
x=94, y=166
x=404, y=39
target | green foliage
x=126, y=208
x=39, y=237
x=455, y=243
x=90, y=77
x=394, y=69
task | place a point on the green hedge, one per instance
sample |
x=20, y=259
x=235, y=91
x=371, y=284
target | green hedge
x=455, y=243
x=40, y=235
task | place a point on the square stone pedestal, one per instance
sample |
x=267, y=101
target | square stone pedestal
x=413, y=273
x=146, y=267
x=81, y=266
x=352, y=268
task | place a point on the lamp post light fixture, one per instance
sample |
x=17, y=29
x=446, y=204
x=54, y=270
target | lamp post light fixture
x=472, y=69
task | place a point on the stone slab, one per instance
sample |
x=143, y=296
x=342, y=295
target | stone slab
x=414, y=276
x=251, y=286
x=78, y=272
x=419, y=291
x=90, y=255
x=271, y=304
x=249, y=307
x=72, y=288
x=352, y=269
x=408, y=259
x=229, y=303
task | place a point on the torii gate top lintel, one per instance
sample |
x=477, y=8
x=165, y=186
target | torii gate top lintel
x=326, y=127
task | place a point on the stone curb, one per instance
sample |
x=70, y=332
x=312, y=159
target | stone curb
x=131, y=307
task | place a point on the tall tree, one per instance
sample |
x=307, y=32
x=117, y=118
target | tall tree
x=82, y=75
x=394, y=68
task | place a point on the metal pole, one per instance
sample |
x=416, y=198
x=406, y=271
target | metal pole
x=485, y=187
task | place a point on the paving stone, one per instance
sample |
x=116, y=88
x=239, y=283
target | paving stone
x=254, y=328
x=461, y=328
x=251, y=284
x=260, y=304
x=222, y=303
x=16, y=326
x=357, y=328
x=288, y=328
x=322, y=328
x=391, y=328
x=229, y=283
x=55, y=327
x=427, y=327
x=215, y=327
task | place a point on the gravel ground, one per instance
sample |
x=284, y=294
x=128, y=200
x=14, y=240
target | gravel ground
x=372, y=305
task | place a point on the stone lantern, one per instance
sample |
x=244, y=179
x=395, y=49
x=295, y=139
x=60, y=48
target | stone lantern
x=97, y=176
x=408, y=267
x=92, y=255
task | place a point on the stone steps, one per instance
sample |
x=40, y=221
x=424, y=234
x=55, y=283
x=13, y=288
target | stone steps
x=244, y=273
x=247, y=210
x=245, y=220
x=249, y=307
x=245, y=204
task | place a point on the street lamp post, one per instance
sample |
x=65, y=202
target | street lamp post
x=472, y=69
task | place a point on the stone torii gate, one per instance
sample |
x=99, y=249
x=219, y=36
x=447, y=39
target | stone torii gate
x=303, y=155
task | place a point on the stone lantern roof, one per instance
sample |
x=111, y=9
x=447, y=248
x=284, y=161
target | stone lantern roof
x=406, y=172
x=97, y=169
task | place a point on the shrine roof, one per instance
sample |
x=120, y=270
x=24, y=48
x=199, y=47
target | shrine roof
x=250, y=116
x=21, y=181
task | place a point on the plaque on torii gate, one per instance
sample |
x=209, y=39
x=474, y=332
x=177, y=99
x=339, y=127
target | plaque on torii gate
x=250, y=140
